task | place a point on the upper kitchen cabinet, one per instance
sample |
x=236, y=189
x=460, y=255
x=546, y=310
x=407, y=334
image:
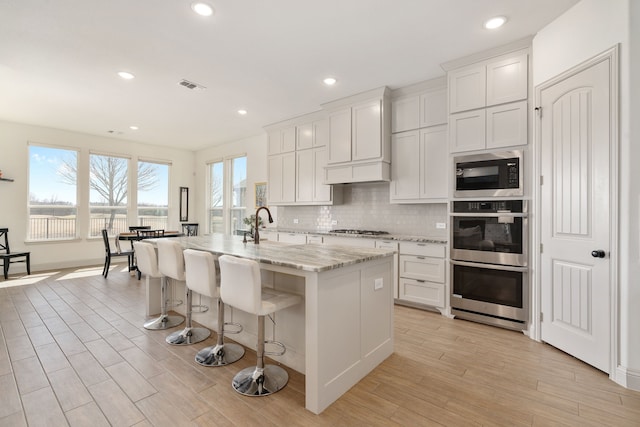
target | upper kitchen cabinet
x=488, y=95
x=418, y=106
x=296, y=176
x=282, y=140
x=419, y=143
x=359, y=138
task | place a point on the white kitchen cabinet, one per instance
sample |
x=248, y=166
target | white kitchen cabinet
x=361, y=242
x=422, y=274
x=506, y=125
x=433, y=108
x=282, y=178
x=507, y=79
x=405, y=169
x=310, y=185
x=420, y=166
x=467, y=88
x=315, y=239
x=312, y=134
x=359, y=138
x=405, y=114
x=340, y=136
x=282, y=140
x=292, y=238
x=391, y=245
x=266, y=234
x=467, y=131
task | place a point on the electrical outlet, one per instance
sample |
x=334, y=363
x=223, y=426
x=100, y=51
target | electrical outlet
x=378, y=284
x=334, y=222
x=295, y=220
x=441, y=225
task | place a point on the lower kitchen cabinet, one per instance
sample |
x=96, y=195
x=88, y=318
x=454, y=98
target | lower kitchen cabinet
x=422, y=274
x=293, y=238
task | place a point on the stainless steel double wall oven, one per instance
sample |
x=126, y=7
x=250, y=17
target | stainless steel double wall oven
x=489, y=241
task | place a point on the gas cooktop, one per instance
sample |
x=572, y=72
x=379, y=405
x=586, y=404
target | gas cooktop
x=364, y=232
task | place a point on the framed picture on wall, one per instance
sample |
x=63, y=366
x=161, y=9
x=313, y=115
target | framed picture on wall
x=261, y=194
x=184, y=204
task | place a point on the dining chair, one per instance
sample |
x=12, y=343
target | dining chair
x=134, y=228
x=142, y=234
x=109, y=254
x=9, y=257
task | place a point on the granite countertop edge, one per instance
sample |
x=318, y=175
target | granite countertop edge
x=391, y=236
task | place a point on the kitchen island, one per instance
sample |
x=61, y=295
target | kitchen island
x=345, y=328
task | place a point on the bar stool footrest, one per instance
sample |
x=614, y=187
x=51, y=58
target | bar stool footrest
x=275, y=353
x=240, y=328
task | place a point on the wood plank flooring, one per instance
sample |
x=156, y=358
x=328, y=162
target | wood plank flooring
x=73, y=352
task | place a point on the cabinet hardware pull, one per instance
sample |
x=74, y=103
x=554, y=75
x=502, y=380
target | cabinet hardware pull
x=420, y=257
x=420, y=281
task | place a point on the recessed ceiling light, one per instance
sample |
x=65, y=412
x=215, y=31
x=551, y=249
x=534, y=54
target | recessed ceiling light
x=134, y=127
x=126, y=75
x=242, y=111
x=330, y=81
x=494, y=23
x=202, y=9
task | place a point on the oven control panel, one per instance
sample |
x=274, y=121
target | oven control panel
x=490, y=206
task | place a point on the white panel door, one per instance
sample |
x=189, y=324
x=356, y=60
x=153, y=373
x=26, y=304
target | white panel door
x=340, y=136
x=507, y=125
x=305, y=177
x=434, y=163
x=467, y=131
x=575, y=286
x=366, y=137
x=405, y=168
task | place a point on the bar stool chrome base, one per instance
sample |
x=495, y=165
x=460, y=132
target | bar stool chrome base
x=188, y=336
x=254, y=381
x=220, y=355
x=164, y=322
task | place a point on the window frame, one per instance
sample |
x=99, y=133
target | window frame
x=227, y=192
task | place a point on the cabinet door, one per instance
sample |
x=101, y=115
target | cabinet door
x=288, y=139
x=467, y=131
x=304, y=176
x=405, y=167
x=275, y=179
x=321, y=133
x=507, y=80
x=507, y=125
x=422, y=291
x=467, y=88
x=433, y=108
x=361, y=242
x=340, y=136
x=293, y=238
x=405, y=114
x=304, y=136
x=366, y=131
x=321, y=192
x=289, y=177
x=434, y=163
x=273, y=143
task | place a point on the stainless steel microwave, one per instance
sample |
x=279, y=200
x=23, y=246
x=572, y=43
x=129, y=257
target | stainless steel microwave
x=489, y=174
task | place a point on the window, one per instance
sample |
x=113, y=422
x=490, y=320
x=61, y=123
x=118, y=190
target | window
x=52, y=193
x=227, y=195
x=107, y=194
x=153, y=194
x=216, y=221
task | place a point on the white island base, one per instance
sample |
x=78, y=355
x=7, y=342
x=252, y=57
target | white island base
x=344, y=330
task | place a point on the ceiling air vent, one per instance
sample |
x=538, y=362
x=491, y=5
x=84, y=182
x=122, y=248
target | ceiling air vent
x=191, y=85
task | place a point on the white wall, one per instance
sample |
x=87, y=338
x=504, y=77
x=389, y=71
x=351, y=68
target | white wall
x=14, y=162
x=587, y=29
x=255, y=149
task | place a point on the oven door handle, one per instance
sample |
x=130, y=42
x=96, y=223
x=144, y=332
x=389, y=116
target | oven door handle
x=490, y=266
x=490, y=215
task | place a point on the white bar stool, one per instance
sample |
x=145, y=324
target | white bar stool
x=201, y=275
x=171, y=264
x=148, y=265
x=241, y=287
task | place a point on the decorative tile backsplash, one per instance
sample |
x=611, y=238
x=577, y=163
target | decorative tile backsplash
x=366, y=206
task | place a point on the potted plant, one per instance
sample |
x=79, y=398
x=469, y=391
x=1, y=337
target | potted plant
x=251, y=222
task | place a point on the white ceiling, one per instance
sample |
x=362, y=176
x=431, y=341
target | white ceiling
x=59, y=59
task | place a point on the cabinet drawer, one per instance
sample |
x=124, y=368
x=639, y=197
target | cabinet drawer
x=387, y=244
x=294, y=238
x=422, y=268
x=422, y=292
x=311, y=238
x=423, y=249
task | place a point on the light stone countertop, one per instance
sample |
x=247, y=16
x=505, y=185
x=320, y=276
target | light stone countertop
x=390, y=236
x=309, y=257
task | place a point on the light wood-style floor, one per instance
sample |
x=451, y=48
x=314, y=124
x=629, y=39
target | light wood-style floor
x=73, y=352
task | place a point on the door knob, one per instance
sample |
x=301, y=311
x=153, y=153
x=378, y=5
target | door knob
x=598, y=253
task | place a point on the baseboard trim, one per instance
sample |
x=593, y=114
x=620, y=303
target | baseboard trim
x=627, y=378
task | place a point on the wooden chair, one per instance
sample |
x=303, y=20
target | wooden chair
x=134, y=228
x=9, y=257
x=145, y=234
x=109, y=255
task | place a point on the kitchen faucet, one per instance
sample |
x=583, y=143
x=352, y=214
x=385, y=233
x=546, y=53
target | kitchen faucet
x=256, y=238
